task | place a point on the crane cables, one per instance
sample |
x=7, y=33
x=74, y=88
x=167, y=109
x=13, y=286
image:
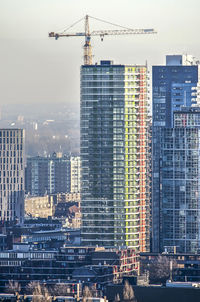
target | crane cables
x=98, y=19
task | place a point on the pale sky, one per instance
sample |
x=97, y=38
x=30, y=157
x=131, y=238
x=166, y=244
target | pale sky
x=37, y=69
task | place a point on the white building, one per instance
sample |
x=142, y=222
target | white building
x=75, y=174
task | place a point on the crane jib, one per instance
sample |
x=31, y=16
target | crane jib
x=80, y=34
x=101, y=33
x=149, y=30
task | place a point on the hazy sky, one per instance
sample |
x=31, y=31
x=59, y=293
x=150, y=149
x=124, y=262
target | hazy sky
x=37, y=69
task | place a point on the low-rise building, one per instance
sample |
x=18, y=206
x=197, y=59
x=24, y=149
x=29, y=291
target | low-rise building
x=39, y=206
x=184, y=267
x=24, y=265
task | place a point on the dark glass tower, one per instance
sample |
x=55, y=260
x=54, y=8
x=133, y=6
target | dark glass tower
x=174, y=86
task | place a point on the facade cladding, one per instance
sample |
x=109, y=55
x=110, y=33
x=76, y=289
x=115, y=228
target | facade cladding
x=174, y=86
x=48, y=175
x=180, y=182
x=114, y=198
x=12, y=175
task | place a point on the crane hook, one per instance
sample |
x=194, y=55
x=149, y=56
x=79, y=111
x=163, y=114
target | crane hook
x=101, y=36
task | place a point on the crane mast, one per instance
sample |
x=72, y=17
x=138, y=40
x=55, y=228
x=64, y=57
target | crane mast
x=87, y=46
x=87, y=56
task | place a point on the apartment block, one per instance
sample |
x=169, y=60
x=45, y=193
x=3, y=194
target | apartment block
x=12, y=175
x=75, y=174
x=48, y=175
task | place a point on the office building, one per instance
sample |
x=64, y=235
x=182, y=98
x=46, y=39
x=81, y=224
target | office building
x=75, y=174
x=114, y=199
x=174, y=86
x=180, y=183
x=36, y=176
x=48, y=175
x=12, y=175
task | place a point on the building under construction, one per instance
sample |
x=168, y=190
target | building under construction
x=114, y=194
x=114, y=146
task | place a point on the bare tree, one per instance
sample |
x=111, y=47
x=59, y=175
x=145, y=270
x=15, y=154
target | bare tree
x=31, y=287
x=159, y=269
x=94, y=291
x=128, y=293
x=40, y=292
x=86, y=294
x=13, y=287
x=60, y=289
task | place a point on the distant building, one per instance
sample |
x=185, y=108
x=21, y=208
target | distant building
x=114, y=197
x=174, y=86
x=3, y=242
x=39, y=206
x=75, y=220
x=66, y=197
x=75, y=174
x=12, y=175
x=48, y=175
x=46, y=235
x=70, y=212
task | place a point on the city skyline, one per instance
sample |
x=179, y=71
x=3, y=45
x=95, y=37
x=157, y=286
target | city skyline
x=105, y=206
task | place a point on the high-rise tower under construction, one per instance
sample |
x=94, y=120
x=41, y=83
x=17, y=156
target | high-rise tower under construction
x=114, y=180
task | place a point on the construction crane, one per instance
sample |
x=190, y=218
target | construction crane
x=87, y=34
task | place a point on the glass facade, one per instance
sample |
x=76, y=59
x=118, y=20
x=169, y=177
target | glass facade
x=180, y=183
x=113, y=156
x=48, y=175
x=173, y=87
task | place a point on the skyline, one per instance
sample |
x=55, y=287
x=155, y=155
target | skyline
x=53, y=67
x=104, y=207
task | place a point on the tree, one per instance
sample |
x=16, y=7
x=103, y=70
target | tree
x=40, y=292
x=31, y=287
x=86, y=294
x=13, y=287
x=159, y=269
x=128, y=293
x=60, y=289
